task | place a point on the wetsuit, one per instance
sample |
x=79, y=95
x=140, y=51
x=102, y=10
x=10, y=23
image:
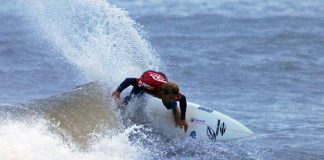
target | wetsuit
x=151, y=82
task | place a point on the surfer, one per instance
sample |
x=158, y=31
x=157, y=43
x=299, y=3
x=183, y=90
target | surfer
x=157, y=84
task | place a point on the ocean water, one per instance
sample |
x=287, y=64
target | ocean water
x=260, y=62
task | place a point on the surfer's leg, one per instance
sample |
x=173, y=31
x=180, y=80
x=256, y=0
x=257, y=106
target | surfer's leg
x=136, y=91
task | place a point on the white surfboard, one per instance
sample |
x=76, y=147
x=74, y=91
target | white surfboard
x=203, y=123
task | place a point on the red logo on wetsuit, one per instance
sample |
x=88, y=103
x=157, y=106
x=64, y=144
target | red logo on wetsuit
x=151, y=80
x=158, y=77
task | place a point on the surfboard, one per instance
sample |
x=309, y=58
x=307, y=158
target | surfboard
x=203, y=123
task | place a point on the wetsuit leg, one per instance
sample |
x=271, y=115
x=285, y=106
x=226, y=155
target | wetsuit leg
x=136, y=91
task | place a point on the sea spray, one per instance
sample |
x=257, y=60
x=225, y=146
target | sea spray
x=100, y=39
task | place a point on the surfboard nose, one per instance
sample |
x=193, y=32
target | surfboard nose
x=249, y=132
x=245, y=130
x=233, y=129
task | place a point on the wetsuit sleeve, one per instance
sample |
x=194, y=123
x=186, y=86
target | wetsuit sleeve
x=127, y=82
x=183, y=107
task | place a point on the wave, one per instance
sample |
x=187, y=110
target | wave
x=30, y=141
x=84, y=123
x=78, y=114
x=74, y=125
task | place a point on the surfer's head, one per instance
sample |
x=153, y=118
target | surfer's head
x=169, y=91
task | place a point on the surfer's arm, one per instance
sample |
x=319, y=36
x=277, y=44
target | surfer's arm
x=127, y=82
x=183, y=106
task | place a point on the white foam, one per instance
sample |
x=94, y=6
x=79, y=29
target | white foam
x=33, y=141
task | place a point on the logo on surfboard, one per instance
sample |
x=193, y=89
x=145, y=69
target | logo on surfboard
x=205, y=109
x=221, y=128
x=195, y=120
x=193, y=134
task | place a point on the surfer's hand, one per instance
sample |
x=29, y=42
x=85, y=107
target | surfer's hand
x=183, y=123
x=116, y=95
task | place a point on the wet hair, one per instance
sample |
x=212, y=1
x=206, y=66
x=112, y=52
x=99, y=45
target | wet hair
x=170, y=88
